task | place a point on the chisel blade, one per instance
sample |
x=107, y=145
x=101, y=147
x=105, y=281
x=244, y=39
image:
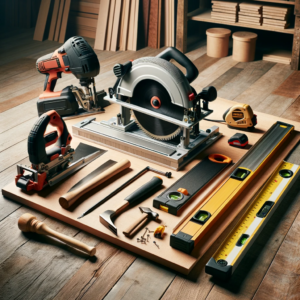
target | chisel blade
x=94, y=173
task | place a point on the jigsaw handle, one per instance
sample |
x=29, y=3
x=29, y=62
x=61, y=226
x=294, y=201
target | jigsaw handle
x=172, y=53
x=38, y=140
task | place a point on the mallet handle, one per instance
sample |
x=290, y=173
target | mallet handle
x=70, y=198
x=136, y=226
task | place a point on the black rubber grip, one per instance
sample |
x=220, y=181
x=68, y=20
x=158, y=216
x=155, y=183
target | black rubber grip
x=148, y=187
x=172, y=53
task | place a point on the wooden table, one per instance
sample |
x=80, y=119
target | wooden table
x=35, y=267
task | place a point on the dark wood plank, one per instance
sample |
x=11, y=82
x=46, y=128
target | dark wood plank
x=264, y=86
x=295, y=62
x=290, y=88
x=225, y=78
x=143, y=280
x=41, y=266
x=282, y=280
x=181, y=34
x=275, y=105
x=293, y=111
x=250, y=74
x=96, y=277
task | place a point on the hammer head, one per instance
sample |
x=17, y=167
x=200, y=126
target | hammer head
x=151, y=214
x=106, y=220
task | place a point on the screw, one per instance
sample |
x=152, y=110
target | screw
x=145, y=232
x=138, y=240
x=148, y=237
x=151, y=231
x=156, y=244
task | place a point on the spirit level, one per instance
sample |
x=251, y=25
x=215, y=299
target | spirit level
x=230, y=253
x=191, y=231
x=183, y=190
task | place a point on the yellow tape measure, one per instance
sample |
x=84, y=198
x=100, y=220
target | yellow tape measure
x=226, y=259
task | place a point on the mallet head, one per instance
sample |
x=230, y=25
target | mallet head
x=152, y=215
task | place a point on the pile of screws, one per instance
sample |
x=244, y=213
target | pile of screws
x=144, y=240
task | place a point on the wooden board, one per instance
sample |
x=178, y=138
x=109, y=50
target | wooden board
x=135, y=26
x=59, y=20
x=146, y=11
x=153, y=24
x=64, y=23
x=116, y=27
x=42, y=20
x=102, y=25
x=47, y=201
x=110, y=24
x=125, y=25
x=290, y=87
x=53, y=20
x=279, y=56
x=92, y=8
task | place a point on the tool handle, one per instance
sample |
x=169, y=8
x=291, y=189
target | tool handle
x=136, y=226
x=29, y=223
x=172, y=53
x=38, y=141
x=144, y=189
x=70, y=198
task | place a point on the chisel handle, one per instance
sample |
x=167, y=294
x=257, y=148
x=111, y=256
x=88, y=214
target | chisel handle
x=144, y=189
x=29, y=223
x=71, y=197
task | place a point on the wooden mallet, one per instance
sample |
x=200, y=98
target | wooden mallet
x=29, y=223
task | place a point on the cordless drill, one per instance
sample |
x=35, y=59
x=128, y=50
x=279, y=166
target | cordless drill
x=75, y=56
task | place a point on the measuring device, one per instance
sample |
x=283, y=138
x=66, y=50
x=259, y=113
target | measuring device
x=233, y=249
x=239, y=116
x=191, y=231
x=177, y=196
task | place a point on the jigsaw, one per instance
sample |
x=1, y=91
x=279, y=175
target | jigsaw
x=75, y=57
x=159, y=111
x=50, y=165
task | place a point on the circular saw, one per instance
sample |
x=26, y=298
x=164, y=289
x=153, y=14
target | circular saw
x=153, y=96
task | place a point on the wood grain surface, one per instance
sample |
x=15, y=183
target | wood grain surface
x=40, y=268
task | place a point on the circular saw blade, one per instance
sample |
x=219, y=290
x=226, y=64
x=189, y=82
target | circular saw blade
x=151, y=95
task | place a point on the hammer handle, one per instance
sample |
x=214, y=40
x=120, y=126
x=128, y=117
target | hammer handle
x=70, y=198
x=136, y=226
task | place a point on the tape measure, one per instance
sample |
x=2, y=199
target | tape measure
x=233, y=249
x=191, y=231
x=176, y=197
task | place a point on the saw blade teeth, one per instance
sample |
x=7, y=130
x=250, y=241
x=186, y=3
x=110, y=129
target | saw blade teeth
x=157, y=137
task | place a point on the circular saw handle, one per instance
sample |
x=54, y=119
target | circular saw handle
x=38, y=141
x=172, y=53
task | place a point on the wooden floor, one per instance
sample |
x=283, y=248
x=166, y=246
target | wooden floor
x=35, y=267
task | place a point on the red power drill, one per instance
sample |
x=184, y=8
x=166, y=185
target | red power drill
x=75, y=56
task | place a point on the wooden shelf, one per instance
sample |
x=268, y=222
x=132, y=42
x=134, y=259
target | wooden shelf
x=277, y=1
x=206, y=17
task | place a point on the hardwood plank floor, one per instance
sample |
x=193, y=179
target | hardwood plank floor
x=36, y=267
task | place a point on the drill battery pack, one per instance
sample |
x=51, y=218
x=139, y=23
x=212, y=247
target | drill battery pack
x=66, y=104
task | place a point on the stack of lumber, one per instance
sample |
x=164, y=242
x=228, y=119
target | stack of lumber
x=132, y=24
x=83, y=17
x=225, y=11
x=278, y=56
x=250, y=13
x=161, y=27
x=276, y=16
x=57, y=14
